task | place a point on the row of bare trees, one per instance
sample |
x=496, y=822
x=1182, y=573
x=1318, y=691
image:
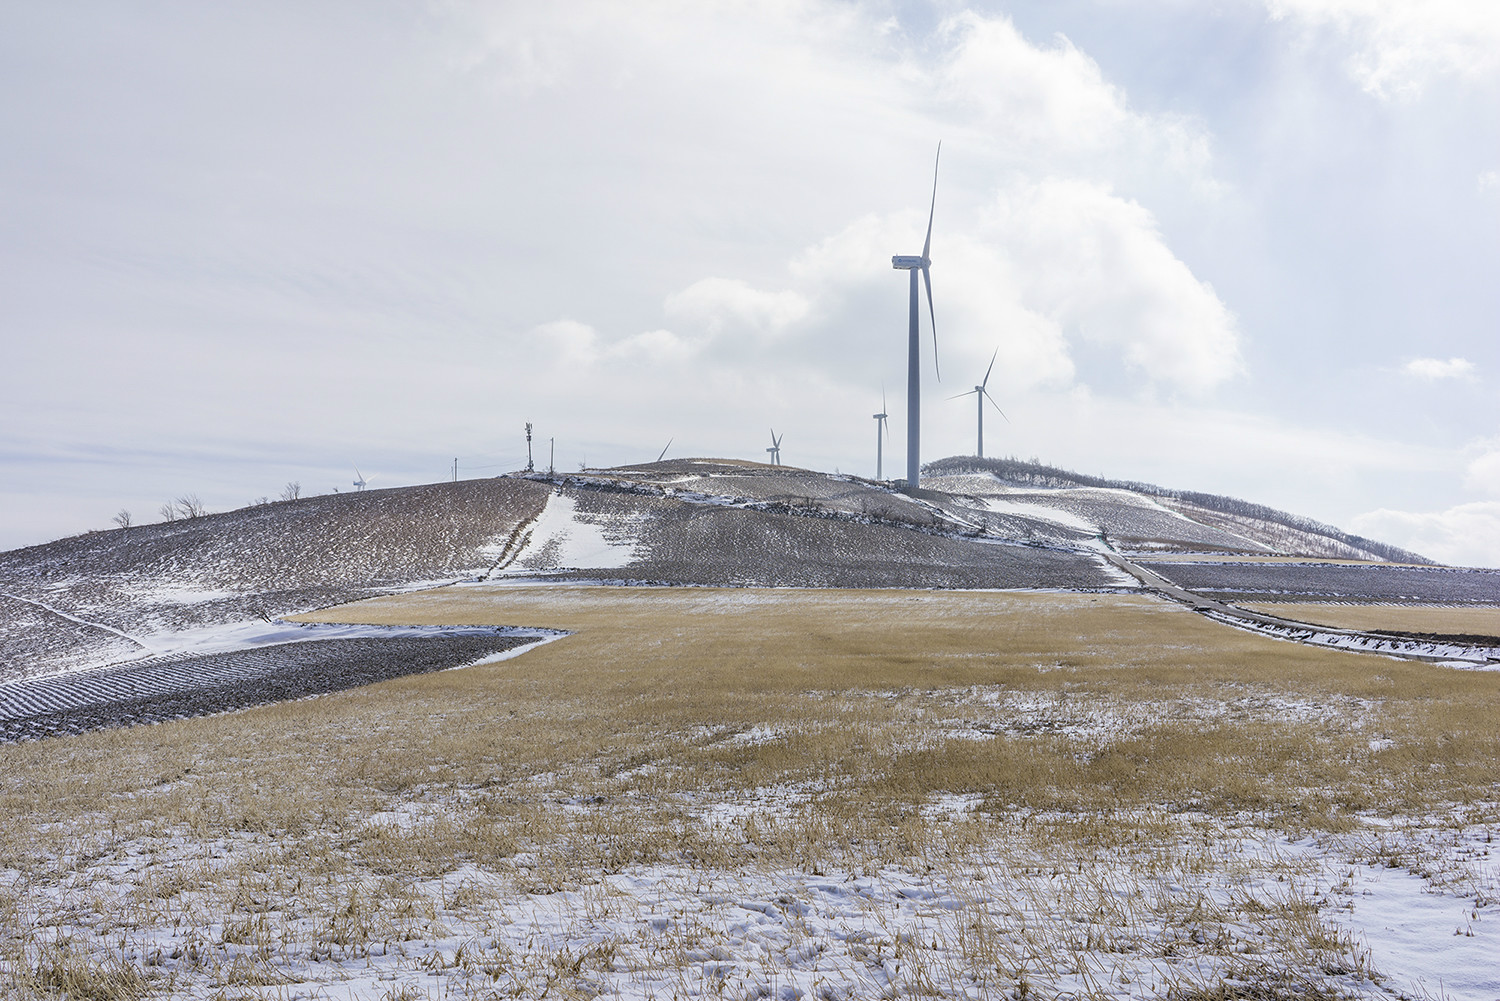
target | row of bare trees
x=189, y=506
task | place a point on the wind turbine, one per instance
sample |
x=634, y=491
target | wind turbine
x=775, y=448
x=880, y=432
x=359, y=484
x=913, y=345
x=664, y=449
x=981, y=394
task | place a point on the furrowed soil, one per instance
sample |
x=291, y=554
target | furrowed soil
x=736, y=791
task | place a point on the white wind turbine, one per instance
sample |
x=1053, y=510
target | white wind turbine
x=880, y=433
x=775, y=448
x=981, y=394
x=913, y=344
x=359, y=483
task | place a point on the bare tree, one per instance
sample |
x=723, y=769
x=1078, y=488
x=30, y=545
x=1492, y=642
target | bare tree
x=189, y=506
x=168, y=512
x=292, y=491
x=260, y=501
x=123, y=519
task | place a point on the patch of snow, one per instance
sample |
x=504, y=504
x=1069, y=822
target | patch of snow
x=951, y=805
x=1426, y=941
x=562, y=539
x=1040, y=511
x=245, y=635
x=169, y=593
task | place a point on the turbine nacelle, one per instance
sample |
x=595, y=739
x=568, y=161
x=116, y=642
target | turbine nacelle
x=903, y=262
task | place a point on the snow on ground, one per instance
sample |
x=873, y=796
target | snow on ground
x=561, y=538
x=1430, y=937
x=975, y=924
x=1471, y=657
x=245, y=635
x=1040, y=511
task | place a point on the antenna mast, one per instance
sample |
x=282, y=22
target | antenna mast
x=529, y=466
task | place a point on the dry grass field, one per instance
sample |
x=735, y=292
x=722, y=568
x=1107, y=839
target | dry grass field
x=769, y=793
x=1439, y=619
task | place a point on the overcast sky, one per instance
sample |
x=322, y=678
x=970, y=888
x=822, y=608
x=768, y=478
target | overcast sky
x=1249, y=247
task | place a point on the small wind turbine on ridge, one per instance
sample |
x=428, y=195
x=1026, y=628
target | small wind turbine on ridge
x=775, y=448
x=880, y=433
x=981, y=394
x=359, y=484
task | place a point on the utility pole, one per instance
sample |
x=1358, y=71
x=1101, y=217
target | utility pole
x=551, y=454
x=455, y=469
x=529, y=466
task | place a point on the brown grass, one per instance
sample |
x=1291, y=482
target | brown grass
x=857, y=690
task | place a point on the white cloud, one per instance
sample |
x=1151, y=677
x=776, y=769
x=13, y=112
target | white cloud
x=1433, y=369
x=719, y=304
x=1483, y=472
x=1050, y=99
x=1097, y=265
x=569, y=340
x=1050, y=105
x=1401, y=45
x=1465, y=535
x=1047, y=272
x=1489, y=181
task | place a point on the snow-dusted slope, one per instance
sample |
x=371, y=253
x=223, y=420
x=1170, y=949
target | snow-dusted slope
x=109, y=596
x=1146, y=518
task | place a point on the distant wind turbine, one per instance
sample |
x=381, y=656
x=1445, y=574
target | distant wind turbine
x=981, y=394
x=775, y=448
x=880, y=433
x=913, y=345
x=359, y=484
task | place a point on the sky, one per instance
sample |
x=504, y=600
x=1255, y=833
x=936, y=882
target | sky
x=1247, y=247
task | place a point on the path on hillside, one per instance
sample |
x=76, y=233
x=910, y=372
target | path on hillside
x=75, y=619
x=1408, y=647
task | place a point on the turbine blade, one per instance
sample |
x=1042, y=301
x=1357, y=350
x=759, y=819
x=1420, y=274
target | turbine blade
x=996, y=406
x=927, y=281
x=986, y=380
x=927, y=244
x=967, y=392
x=664, y=449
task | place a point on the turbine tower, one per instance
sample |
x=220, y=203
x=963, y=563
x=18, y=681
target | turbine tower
x=913, y=346
x=775, y=448
x=880, y=432
x=981, y=394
